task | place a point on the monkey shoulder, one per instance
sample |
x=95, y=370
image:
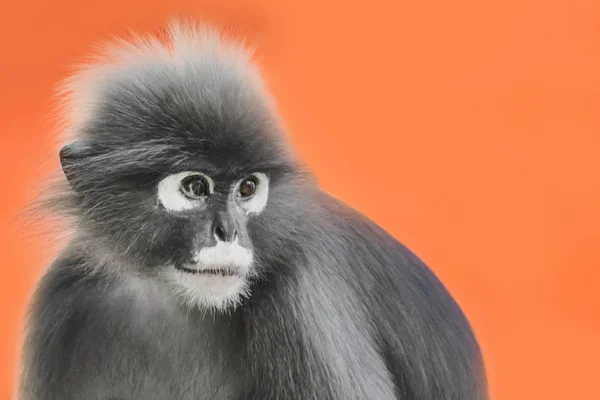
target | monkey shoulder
x=421, y=332
x=64, y=299
x=85, y=332
x=60, y=317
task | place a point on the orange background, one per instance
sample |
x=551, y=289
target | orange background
x=467, y=128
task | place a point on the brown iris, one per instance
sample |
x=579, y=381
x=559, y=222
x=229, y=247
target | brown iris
x=195, y=186
x=248, y=187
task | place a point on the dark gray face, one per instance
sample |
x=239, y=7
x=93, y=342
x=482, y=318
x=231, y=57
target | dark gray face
x=221, y=208
x=220, y=258
x=179, y=191
x=221, y=211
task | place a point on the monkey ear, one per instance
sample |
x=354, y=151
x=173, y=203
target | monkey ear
x=70, y=155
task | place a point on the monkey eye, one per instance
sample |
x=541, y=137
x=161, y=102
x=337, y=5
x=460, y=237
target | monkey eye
x=195, y=186
x=184, y=190
x=252, y=192
x=247, y=187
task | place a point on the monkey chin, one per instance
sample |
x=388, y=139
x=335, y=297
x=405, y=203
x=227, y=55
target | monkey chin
x=215, y=289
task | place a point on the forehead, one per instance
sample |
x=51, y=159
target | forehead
x=187, y=120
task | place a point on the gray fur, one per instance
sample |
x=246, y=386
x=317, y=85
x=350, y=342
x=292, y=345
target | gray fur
x=337, y=308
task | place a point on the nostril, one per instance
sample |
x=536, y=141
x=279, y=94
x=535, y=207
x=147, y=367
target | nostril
x=220, y=233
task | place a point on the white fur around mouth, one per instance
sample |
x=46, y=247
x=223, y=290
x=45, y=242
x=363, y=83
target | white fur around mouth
x=226, y=271
x=217, y=278
x=226, y=256
x=207, y=290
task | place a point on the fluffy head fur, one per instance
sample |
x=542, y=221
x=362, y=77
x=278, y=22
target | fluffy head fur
x=148, y=110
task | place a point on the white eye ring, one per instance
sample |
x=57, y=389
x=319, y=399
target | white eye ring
x=256, y=203
x=171, y=196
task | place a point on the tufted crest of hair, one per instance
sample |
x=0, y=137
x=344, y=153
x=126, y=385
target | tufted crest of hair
x=213, y=66
x=149, y=107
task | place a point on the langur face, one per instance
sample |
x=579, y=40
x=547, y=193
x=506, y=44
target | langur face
x=220, y=255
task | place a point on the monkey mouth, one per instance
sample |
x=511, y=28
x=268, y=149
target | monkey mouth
x=209, y=271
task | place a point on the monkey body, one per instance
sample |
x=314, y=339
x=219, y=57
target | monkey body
x=128, y=340
x=207, y=264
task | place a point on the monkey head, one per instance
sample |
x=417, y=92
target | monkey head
x=178, y=171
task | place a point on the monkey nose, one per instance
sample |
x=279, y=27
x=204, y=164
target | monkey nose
x=224, y=229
